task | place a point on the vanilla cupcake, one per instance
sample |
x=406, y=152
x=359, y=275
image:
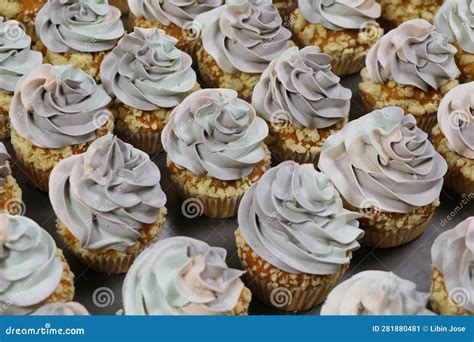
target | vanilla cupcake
x=216, y=150
x=376, y=293
x=455, y=19
x=24, y=11
x=56, y=112
x=452, y=254
x=411, y=67
x=148, y=76
x=16, y=59
x=109, y=204
x=33, y=271
x=239, y=40
x=303, y=102
x=184, y=276
x=385, y=166
x=10, y=191
x=396, y=12
x=78, y=32
x=61, y=309
x=453, y=137
x=295, y=238
x=174, y=17
x=345, y=30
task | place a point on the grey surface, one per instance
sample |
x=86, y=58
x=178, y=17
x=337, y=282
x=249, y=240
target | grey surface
x=101, y=293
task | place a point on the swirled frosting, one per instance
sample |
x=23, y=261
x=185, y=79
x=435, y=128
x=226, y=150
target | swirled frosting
x=212, y=132
x=30, y=270
x=146, y=71
x=376, y=293
x=413, y=54
x=177, y=12
x=294, y=219
x=244, y=35
x=4, y=167
x=340, y=14
x=456, y=19
x=58, y=106
x=16, y=57
x=79, y=25
x=301, y=84
x=106, y=195
x=456, y=119
x=452, y=254
x=181, y=276
x=62, y=309
x=384, y=160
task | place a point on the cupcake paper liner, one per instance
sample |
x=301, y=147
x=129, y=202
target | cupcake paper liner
x=426, y=122
x=344, y=67
x=4, y=127
x=459, y=184
x=122, y=5
x=149, y=142
x=279, y=155
x=39, y=178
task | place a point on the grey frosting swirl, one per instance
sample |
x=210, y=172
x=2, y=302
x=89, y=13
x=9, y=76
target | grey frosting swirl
x=106, y=195
x=58, y=106
x=384, y=160
x=340, y=14
x=295, y=220
x=16, y=57
x=177, y=12
x=4, y=167
x=79, y=25
x=301, y=85
x=62, y=309
x=413, y=54
x=244, y=35
x=212, y=132
x=146, y=71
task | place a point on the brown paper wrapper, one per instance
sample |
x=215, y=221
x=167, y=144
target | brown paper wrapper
x=344, y=67
x=279, y=155
x=454, y=181
x=39, y=178
x=149, y=142
x=122, y=5
x=4, y=127
x=426, y=122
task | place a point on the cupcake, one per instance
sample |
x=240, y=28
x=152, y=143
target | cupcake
x=122, y=5
x=455, y=19
x=10, y=192
x=376, y=293
x=411, y=67
x=452, y=287
x=453, y=137
x=286, y=8
x=62, y=309
x=174, y=17
x=396, y=12
x=33, y=271
x=109, y=204
x=303, y=102
x=56, y=112
x=216, y=150
x=385, y=166
x=148, y=76
x=24, y=11
x=345, y=30
x=184, y=276
x=239, y=40
x=295, y=238
x=78, y=32
x=16, y=60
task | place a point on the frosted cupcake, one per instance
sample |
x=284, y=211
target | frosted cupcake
x=240, y=39
x=303, y=102
x=385, y=166
x=109, y=204
x=455, y=19
x=216, y=150
x=396, y=12
x=62, y=309
x=411, y=67
x=184, y=276
x=33, y=271
x=56, y=112
x=10, y=192
x=452, y=254
x=295, y=238
x=24, y=11
x=78, y=32
x=345, y=30
x=16, y=60
x=376, y=293
x=148, y=76
x=453, y=137
x=174, y=17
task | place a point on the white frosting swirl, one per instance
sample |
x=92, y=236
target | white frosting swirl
x=61, y=309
